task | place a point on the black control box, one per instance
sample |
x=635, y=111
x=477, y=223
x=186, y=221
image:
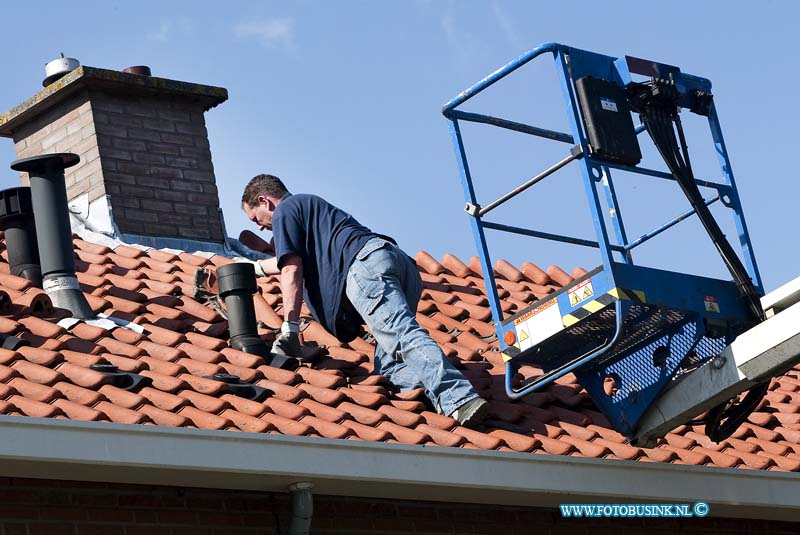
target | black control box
x=608, y=122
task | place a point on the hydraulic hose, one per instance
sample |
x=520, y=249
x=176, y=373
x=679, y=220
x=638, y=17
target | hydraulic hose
x=660, y=127
x=658, y=107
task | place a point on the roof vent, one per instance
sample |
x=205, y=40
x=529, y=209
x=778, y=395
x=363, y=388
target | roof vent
x=241, y=389
x=57, y=68
x=16, y=219
x=6, y=306
x=12, y=342
x=57, y=256
x=237, y=284
x=126, y=381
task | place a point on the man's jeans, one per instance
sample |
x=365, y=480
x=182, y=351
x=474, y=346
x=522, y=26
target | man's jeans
x=384, y=286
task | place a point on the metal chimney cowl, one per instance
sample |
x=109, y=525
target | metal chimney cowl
x=17, y=221
x=58, y=68
x=237, y=284
x=53, y=230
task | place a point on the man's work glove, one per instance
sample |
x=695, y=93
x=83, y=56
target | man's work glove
x=259, y=269
x=288, y=342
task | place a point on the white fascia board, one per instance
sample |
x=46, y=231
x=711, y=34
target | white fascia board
x=770, y=348
x=134, y=454
x=781, y=298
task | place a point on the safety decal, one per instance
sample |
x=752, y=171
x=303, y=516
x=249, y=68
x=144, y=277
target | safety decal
x=712, y=303
x=534, y=326
x=531, y=313
x=581, y=292
x=595, y=305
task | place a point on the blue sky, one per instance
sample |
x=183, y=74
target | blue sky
x=343, y=99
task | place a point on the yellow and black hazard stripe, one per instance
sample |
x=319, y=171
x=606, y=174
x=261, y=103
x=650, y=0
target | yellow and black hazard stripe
x=595, y=305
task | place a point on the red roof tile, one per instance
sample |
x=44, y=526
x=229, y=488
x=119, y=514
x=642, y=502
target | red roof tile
x=76, y=411
x=287, y=426
x=204, y=419
x=37, y=409
x=184, y=342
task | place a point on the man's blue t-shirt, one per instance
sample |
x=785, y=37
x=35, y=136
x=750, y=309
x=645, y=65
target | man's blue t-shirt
x=327, y=240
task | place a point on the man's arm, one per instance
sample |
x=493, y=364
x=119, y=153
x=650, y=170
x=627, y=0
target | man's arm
x=288, y=342
x=291, y=286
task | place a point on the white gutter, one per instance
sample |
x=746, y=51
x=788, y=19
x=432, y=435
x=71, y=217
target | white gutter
x=134, y=454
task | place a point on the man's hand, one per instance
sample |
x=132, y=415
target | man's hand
x=288, y=342
x=268, y=266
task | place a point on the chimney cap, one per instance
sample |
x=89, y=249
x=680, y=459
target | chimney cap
x=142, y=70
x=44, y=161
x=57, y=68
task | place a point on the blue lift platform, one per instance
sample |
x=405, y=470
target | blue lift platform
x=626, y=331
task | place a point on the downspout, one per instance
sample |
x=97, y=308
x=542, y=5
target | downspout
x=302, y=508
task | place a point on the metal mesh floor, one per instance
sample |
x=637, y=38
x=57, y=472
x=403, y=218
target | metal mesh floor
x=643, y=324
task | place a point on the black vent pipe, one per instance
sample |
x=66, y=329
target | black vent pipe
x=16, y=219
x=237, y=284
x=53, y=230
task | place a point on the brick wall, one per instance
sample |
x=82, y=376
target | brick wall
x=156, y=163
x=150, y=154
x=43, y=507
x=67, y=128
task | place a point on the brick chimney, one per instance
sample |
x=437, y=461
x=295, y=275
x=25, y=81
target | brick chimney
x=145, y=158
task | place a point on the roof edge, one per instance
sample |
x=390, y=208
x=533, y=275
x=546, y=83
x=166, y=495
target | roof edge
x=116, y=453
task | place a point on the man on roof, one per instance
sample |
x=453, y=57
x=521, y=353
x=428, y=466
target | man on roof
x=352, y=276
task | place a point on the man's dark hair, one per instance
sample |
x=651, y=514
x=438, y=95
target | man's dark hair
x=263, y=185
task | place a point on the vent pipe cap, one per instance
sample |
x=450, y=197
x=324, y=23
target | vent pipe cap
x=240, y=276
x=58, y=161
x=15, y=203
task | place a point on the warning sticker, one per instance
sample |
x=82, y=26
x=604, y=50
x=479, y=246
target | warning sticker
x=537, y=325
x=712, y=303
x=608, y=104
x=535, y=311
x=581, y=292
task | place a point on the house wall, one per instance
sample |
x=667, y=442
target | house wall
x=47, y=507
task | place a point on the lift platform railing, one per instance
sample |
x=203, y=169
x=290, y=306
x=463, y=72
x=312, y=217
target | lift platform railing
x=571, y=64
x=725, y=191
